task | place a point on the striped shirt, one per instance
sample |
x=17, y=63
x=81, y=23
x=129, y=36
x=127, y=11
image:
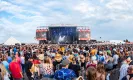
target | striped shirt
x=123, y=70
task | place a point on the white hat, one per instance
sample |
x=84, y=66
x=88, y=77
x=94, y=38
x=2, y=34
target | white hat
x=95, y=62
x=100, y=52
x=128, y=59
x=114, y=49
x=93, y=58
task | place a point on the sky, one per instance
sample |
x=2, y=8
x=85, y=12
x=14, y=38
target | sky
x=108, y=19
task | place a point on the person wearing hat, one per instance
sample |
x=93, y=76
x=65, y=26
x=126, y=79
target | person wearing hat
x=124, y=68
x=93, y=52
x=70, y=58
x=74, y=66
x=109, y=52
x=41, y=56
x=101, y=57
x=56, y=63
x=65, y=73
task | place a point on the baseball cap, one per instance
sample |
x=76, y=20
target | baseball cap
x=65, y=62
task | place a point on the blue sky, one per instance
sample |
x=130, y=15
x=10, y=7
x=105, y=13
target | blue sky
x=109, y=19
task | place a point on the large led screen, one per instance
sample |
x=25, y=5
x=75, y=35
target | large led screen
x=84, y=35
x=41, y=35
x=62, y=35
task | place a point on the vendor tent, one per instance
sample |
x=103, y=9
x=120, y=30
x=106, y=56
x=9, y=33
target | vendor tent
x=12, y=41
x=117, y=42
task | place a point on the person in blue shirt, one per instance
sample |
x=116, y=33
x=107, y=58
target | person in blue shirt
x=9, y=58
x=65, y=73
x=5, y=63
x=14, y=50
x=101, y=57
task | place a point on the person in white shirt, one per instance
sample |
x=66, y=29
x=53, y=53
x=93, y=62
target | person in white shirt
x=115, y=60
x=22, y=58
x=124, y=68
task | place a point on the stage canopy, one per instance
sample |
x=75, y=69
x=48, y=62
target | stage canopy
x=12, y=41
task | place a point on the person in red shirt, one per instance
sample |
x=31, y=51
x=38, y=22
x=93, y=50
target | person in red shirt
x=15, y=69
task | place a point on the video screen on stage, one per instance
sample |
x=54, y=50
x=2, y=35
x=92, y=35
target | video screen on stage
x=41, y=35
x=62, y=35
x=84, y=35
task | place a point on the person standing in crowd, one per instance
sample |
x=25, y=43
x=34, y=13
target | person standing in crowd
x=35, y=69
x=47, y=69
x=101, y=57
x=93, y=57
x=115, y=59
x=41, y=55
x=109, y=62
x=10, y=50
x=91, y=63
x=15, y=69
x=5, y=63
x=56, y=63
x=18, y=57
x=82, y=60
x=65, y=73
x=35, y=57
x=129, y=76
x=4, y=73
x=28, y=66
x=124, y=68
x=22, y=58
x=41, y=66
x=82, y=65
x=76, y=54
x=27, y=55
x=100, y=72
x=14, y=50
x=91, y=73
x=9, y=58
x=74, y=66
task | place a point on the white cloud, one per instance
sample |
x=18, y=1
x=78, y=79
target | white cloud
x=6, y=6
x=84, y=8
x=119, y=4
x=114, y=14
x=101, y=1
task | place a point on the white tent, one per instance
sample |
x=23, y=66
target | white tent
x=12, y=41
x=117, y=41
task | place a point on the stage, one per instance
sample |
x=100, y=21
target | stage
x=62, y=34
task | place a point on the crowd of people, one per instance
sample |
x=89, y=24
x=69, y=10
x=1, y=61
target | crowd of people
x=66, y=62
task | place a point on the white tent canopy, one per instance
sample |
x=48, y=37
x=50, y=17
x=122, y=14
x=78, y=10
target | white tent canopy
x=117, y=41
x=12, y=41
